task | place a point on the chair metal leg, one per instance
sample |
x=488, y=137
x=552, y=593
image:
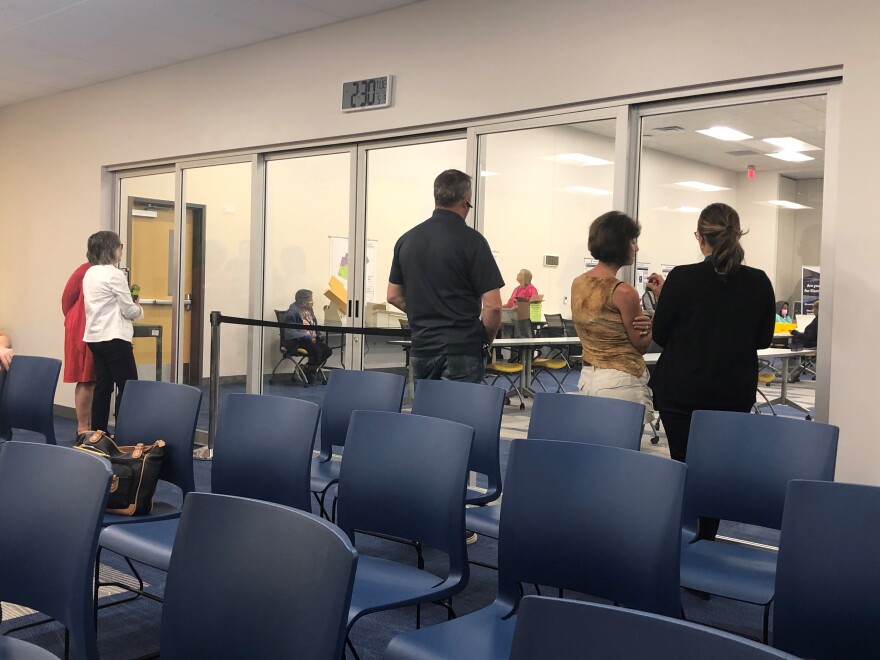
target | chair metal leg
x=278, y=364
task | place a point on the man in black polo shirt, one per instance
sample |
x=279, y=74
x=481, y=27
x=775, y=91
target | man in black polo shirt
x=443, y=275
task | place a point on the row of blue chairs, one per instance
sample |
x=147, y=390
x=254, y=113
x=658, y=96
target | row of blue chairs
x=764, y=497
x=225, y=595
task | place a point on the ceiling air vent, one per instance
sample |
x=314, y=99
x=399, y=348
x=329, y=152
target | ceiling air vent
x=668, y=129
x=744, y=152
x=551, y=259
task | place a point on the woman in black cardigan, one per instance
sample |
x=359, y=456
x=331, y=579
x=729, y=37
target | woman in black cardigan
x=711, y=319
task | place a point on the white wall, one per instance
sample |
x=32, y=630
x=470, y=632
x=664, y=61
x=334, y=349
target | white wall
x=453, y=60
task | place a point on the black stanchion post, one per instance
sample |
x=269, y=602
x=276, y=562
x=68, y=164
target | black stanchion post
x=214, y=394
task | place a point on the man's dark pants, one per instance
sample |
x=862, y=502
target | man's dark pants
x=465, y=368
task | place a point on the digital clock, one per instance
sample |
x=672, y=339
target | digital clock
x=366, y=94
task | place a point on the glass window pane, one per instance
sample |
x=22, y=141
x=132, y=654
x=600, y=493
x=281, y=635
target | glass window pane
x=764, y=159
x=540, y=190
x=216, y=272
x=400, y=185
x=307, y=226
x=147, y=220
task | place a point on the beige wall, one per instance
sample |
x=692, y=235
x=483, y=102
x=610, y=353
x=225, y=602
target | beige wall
x=453, y=60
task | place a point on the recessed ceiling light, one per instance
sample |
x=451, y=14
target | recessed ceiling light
x=699, y=185
x=488, y=173
x=725, y=133
x=791, y=144
x=679, y=209
x=788, y=205
x=582, y=160
x=586, y=190
x=791, y=156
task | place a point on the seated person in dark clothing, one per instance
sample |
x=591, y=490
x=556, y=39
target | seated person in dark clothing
x=301, y=312
x=810, y=336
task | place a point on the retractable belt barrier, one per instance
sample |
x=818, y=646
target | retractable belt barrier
x=217, y=319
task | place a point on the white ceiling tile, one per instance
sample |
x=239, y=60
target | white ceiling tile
x=354, y=8
x=278, y=16
x=48, y=45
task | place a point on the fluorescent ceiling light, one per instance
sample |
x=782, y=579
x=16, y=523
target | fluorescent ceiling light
x=679, y=209
x=582, y=160
x=725, y=133
x=788, y=205
x=586, y=190
x=791, y=144
x=791, y=156
x=699, y=185
x=488, y=173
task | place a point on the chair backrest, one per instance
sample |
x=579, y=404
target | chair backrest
x=28, y=395
x=827, y=602
x=739, y=464
x=152, y=410
x=281, y=317
x=405, y=476
x=603, y=521
x=251, y=579
x=51, y=501
x=263, y=449
x=555, y=326
x=571, y=630
x=591, y=419
x=476, y=405
x=348, y=391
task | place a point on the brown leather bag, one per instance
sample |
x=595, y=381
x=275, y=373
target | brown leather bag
x=136, y=471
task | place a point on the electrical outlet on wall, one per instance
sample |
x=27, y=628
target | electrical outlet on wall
x=564, y=300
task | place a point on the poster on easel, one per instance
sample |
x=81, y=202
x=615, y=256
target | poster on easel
x=809, y=287
x=341, y=262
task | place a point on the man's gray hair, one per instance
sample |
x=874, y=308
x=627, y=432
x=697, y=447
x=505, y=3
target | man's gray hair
x=450, y=187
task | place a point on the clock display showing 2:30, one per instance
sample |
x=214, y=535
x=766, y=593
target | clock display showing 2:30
x=367, y=93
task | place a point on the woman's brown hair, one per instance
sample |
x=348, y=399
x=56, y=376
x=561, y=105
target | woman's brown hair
x=719, y=226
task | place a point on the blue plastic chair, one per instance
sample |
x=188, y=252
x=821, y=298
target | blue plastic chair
x=404, y=476
x=739, y=466
x=576, y=418
x=262, y=450
x=154, y=410
x=572, y=630
x=827, y=601
x=51, y=502
x=615, y=539
x=348, y=391
x=478, y=406
x=252, y=579
x=28, y=397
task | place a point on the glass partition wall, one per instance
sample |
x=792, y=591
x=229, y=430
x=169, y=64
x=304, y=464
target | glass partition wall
x=329, y=220
x=765, y=159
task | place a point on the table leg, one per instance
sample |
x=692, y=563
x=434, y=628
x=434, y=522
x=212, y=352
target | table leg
x=783, y=399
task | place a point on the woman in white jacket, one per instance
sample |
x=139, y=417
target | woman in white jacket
x=110, y=309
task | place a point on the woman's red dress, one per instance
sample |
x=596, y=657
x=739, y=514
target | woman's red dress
x=78, y=364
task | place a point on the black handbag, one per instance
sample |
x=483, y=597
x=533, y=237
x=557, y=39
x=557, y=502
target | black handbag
x=135, y=471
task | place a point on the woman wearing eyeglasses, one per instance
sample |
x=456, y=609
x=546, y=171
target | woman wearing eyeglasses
x=110, y=309
x=609, y=320
x=711, y=319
